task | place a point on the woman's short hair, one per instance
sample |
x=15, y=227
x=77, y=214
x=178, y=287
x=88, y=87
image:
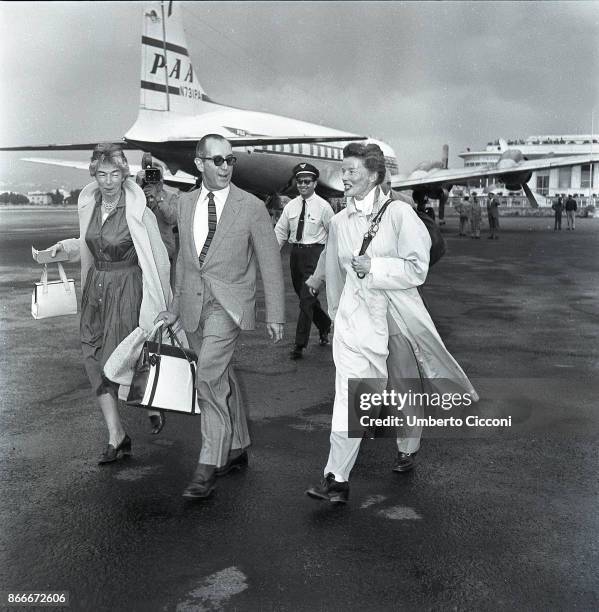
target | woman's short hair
x=109, y=152
x=371, y=155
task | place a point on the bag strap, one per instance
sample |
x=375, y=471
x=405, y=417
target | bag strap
x=372, y=230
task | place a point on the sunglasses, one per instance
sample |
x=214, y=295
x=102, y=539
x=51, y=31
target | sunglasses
x=304, y=181
x=219, y=160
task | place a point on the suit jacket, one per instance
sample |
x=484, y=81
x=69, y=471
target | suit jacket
x=244, y=237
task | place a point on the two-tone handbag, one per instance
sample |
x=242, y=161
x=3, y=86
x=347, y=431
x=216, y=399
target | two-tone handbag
x=164, y=377
x=53, y=298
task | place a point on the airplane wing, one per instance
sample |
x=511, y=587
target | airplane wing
x=439, y=176
x=242, y=141
x=86, y=146
x=181, y=178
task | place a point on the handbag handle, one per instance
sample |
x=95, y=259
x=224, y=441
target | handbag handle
x=157, y=335
x=61, y=273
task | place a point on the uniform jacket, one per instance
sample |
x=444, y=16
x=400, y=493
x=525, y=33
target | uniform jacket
x=244, y=237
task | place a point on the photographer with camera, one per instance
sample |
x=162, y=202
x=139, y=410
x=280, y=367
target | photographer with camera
x=161, y=201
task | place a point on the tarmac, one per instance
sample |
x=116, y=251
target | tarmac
x=490, y=519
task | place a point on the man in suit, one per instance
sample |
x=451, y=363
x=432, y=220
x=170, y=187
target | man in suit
x=223, y=233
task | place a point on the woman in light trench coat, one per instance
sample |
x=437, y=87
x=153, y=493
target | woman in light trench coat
x=382, y=328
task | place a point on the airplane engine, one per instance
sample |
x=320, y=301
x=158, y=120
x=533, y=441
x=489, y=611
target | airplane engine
x=514, y=182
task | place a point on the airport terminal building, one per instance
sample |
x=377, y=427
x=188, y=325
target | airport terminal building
x=580, y=181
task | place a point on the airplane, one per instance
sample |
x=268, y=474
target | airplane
x=434, y=180
x=175, y=112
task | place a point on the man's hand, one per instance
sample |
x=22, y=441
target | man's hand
x=275, y=331
x=361, y=264
x=313, y=286
x=168, y=317
x=153, y=192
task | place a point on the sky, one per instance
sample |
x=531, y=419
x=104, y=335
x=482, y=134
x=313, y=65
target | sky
x=413, y=74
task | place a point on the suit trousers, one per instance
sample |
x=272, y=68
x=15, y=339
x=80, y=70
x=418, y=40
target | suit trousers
x=401, y=363
x=303, y=263
x=223, y=417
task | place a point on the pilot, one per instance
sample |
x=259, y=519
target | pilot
x=304, y=223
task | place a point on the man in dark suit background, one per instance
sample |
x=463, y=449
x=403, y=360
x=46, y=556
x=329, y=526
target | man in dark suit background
x=223, y=232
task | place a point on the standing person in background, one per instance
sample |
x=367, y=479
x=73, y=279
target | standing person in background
x=124, y=272
x=305, y=224
x=463, y=209
x=493, y=215
x=571, y=208
x=558, y=207
x=475, y=217
x=161, y=201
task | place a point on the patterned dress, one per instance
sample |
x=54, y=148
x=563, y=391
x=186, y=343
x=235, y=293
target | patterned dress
x=112, y=293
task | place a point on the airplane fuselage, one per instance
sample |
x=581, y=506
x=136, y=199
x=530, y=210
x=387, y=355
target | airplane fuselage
x=262, y=169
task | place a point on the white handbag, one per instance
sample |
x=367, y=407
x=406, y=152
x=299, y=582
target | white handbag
x=53, y=298
x=164, y=377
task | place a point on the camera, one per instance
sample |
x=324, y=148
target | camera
x=151, y=175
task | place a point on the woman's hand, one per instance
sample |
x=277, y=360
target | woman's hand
x=168, y=317
x=361, y=264
x=56, y=248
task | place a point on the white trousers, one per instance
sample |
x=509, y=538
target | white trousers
x=401, y=363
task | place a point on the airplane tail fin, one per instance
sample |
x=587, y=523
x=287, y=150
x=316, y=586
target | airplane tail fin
x=168, y=80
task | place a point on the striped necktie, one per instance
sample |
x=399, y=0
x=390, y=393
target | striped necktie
x=211, y=226
x=299, y=234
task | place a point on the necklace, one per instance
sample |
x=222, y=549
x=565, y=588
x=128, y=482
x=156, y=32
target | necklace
x=109, y=205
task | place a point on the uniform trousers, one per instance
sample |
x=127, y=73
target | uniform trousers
x=401, y=363
x=223, y=417
x=302, y=261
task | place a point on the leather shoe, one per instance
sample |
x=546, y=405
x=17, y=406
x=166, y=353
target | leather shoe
x=297, y=352
x=331, y=490
x=112, y=453
x=201, y=486
x=157, y=421
x=404, y=462
x=236, y=462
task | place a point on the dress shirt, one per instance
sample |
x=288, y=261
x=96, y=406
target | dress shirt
x=200, y=220
x=316, y=221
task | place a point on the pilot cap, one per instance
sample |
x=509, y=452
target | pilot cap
x=305, y=168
